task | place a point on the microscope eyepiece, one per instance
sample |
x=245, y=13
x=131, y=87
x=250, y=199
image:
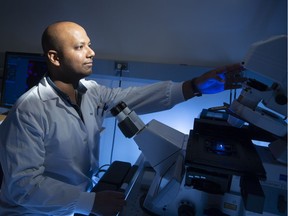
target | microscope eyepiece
x=118, y=108
x=128, y=121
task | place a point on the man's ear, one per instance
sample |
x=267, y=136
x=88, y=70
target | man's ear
x=53, y=57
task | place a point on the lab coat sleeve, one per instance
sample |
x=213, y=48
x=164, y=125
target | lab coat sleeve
x=144, y=99
x=156, y=97
x=23, y=161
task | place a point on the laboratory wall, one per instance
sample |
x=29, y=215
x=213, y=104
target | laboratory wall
x=204, y=33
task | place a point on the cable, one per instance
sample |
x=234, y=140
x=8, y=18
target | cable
x=115, y=120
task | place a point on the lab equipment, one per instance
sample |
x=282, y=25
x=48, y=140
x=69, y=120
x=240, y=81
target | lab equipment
x=154, y=137
x=267, y=58
x=20, y=73
x=216, y=169
x=211, y=170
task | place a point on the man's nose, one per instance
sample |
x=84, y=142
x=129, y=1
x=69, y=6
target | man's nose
x=91, y=52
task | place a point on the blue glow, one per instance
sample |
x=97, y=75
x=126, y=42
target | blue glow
x=212, y=86
x=220, y=147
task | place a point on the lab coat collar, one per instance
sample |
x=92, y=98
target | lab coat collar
x=46, y=91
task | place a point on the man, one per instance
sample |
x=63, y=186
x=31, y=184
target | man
x=50, y=138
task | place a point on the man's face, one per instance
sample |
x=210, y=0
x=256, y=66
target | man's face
x=75, y=55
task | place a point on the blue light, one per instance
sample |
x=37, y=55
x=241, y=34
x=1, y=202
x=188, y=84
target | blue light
x=220, y=147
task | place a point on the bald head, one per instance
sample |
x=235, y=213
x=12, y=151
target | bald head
x=55, y=34
x=68, y=51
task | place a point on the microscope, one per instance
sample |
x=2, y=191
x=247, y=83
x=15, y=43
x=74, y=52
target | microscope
x=216, y=169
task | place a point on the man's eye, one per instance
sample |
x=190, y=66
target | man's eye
x=79, y=47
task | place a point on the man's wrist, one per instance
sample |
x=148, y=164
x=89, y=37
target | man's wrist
x=195, y=90
x=190, y=89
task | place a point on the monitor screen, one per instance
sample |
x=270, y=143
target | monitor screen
x=21, y=72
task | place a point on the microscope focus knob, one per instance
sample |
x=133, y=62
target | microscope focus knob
x=186, y=210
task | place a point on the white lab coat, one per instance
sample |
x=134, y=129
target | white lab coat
x=49, y=154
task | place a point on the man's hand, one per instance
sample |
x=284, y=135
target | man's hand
x=220, y=79
x=108, y=203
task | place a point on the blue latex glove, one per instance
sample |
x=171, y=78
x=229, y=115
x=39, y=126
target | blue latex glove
x=220, y=79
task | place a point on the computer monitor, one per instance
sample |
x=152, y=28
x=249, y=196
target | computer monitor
x=21, y=72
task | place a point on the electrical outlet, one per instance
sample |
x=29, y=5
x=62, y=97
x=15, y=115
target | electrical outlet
x=121, y=66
